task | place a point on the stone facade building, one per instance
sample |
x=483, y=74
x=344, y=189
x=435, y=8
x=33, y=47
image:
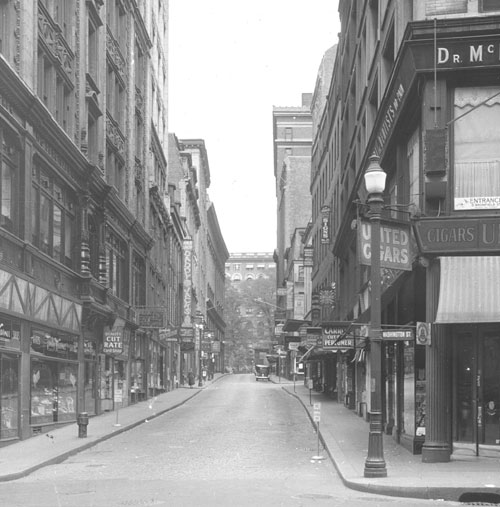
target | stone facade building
x=92, y=236
x=412, y=83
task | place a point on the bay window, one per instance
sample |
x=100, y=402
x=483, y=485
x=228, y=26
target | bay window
x=477, y=148
x=9, y=167
x=116, y=257
x=53, y=217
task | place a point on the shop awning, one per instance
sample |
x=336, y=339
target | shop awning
x=306, y=355
x=469, y=290
x=292, y=325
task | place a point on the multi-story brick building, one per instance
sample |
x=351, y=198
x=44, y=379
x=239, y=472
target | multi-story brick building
x=92, y=239
x=412, y=82
x=292, y=141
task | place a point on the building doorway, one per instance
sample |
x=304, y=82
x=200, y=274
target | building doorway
x=476, y=422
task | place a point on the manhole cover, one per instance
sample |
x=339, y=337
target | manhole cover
x=314, y=496
x=144, y=502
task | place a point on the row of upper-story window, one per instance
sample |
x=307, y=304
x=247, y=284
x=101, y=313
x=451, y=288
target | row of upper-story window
x=53, y=224
x=249, y=267
x=52, y=75
x=238, y=277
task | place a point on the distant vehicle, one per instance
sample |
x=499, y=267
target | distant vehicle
x=262, y=372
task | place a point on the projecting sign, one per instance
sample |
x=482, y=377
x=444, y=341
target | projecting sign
x=397, y=334
x=167, y=335
x=423, y=333
x=151, y=317
x=112, y=342
x=395, y=245
x=334, y=336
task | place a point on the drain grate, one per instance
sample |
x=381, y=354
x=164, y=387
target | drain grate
x=480, y=498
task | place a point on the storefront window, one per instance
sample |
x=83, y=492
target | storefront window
x=113, y=382
x=414, y=387
x=409, y=390
x=106, y=382
x=477, y=150
x=137, y=369
x=10, y=333
x=9, y=392
x=53, y=381
x=58, y=345
x=53, y=391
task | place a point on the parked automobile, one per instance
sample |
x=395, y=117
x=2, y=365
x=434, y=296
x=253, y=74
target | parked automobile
x=262, y=372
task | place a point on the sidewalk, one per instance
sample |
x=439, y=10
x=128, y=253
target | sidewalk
x=22, y=458
x=343, y=434
x=345, y=439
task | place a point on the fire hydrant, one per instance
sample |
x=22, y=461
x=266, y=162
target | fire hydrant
x=82, y=421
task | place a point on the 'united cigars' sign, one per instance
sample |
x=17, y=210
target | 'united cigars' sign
x=443, y=236
x=395, y=246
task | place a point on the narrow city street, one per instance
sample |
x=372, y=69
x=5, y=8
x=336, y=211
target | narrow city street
x=238, y=443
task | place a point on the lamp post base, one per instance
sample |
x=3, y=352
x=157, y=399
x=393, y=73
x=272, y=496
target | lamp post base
x=375, y=463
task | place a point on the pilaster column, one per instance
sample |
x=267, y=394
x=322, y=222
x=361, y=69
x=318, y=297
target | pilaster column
x=437, y=448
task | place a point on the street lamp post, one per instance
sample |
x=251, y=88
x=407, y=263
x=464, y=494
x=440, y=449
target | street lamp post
x=200, y=381
x=375, y=184
x=199, y=325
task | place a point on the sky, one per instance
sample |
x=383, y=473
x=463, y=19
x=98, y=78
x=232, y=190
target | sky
x=230, y=62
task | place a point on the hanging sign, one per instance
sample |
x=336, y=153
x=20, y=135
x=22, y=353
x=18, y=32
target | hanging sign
x=151, y=317
x=334, y=336
x=325, y=225
x=395, y=245
x=113, y=342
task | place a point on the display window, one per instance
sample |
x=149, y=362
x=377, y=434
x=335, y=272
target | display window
x=53, y=391
x=476, y=149
x=60, y=345
x=112, y=381
x=414, y=388
x=10, y=333
x=9, y=396
x=137, y=367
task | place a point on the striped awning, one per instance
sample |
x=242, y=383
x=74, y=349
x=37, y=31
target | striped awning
x=469, y=290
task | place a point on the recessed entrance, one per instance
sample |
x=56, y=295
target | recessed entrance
x=476, y=419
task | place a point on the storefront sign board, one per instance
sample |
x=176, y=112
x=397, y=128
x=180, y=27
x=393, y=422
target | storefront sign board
x=458, y=235
x=334, y=336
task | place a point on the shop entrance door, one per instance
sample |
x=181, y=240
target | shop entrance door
x=477, y=394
